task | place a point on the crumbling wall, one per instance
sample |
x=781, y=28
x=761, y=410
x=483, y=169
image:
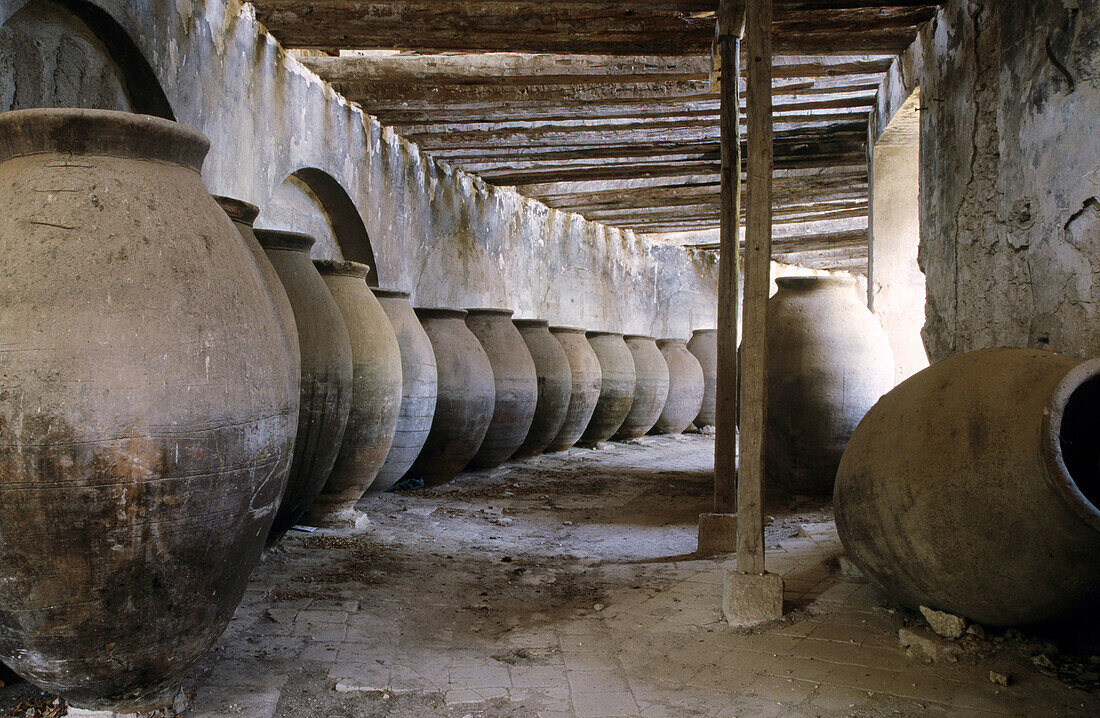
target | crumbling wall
x=1010, y=176
x=445, y=235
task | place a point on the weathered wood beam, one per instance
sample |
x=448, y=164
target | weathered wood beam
x=503, y=69
x=402, y=115
x=758, y=235
x=836, y=199
x=730, y=30
x=824, y=239
x=577, y=27
x=426, y=94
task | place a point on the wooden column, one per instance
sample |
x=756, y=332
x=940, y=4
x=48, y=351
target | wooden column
x=758, y=234
x=731, y=19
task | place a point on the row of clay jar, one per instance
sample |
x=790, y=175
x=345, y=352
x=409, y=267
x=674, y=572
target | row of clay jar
x=391, y=394
x=172, y=398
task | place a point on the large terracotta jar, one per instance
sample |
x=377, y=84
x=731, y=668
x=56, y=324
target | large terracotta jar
x=419, y=382
x=650, y=389
x=974, y=488
x=466, y=396
x=703, y=345
x=325, y=386
x=616, y=390
x=685, y=387
x=244, y=216
x=587, y=378
x=146, y=411
x=555, y=385
x=515, y=381
x=376, y=388
x=828, y=362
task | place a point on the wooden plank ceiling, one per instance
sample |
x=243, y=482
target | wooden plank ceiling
x=606, y=108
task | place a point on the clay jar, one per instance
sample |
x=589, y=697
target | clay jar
x=703, y=345
x=146, y=416
x=555, y=385
x=828, y=362
x=243, y=215
x=466, y=396
x=973, y=487
x=325, y=387
x=587, y=378
x=419, y=383
x=376, y=388
x=514, y=379
x=616, y=390
x=650, y=388
x=685, y=387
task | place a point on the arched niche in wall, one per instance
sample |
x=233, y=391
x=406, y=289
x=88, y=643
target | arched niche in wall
x=71, y=53
x=312, y=201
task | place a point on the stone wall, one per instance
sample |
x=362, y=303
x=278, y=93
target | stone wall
x=896, y=286
x=445, y=235
x=1010, y=176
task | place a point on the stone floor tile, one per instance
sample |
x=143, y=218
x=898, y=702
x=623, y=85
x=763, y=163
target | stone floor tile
x=461, y=697
x=838, y=698
x=538, y=676
x=599, y=705
x=600, y=681
x=476, y=677
x=788, y=691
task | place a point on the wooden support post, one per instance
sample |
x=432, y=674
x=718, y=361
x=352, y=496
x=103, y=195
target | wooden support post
x=718, y=530
x=758, y=240
x=750, y=595
x=729, y=267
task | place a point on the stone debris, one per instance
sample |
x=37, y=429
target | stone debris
x=1043, y=661
x=925, y=645
x=1001, y=679
x=946, y=624
x=848, y=569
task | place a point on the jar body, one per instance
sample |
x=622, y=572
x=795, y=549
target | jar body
x=325, y=379
x=146, y=420
x=972, y=488
x=650, y=389
x=586, y=380
x=376, y=387
x=419, y=382
x=465, y=397
x=703, y=345
x=515, y=382
x=829, y=361
x=616, y=389
x=685, y=387
x=555, y=387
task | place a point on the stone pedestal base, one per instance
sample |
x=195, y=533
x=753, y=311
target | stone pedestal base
x=750, y=600
x=717, y=534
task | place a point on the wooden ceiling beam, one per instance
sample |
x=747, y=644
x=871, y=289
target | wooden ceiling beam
x=503, y=69
x=682, y=27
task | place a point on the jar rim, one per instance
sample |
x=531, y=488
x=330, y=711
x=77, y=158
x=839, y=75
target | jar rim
x=237, y=209
x=104, y=133
x=341, y=268
x=440, y=312
x=814, y=282
x=280, y=239
x=388, y=293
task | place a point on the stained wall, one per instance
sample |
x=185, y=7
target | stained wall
x=1010, y=176
x=445, y=235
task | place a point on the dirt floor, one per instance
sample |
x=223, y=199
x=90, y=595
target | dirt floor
x=566, y=586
